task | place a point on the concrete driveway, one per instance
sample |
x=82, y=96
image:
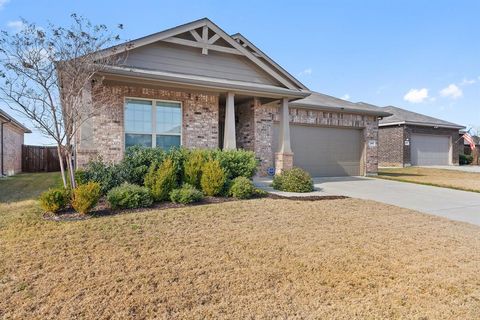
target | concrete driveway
x=448, y=203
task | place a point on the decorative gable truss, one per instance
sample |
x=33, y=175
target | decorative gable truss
x=205, y=41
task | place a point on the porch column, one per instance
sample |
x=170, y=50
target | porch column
x=284, y=156
x=229, y=139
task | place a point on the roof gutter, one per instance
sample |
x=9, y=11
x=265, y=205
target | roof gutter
x=342, y=109
x=204, y=82
x=421, y=124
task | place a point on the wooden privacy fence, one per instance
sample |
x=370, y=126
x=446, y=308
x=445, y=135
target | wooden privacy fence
x=39, y=159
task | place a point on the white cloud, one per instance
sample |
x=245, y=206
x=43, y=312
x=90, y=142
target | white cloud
x=466, y=82
x=345, y=97
x=16, y=25
x=305, y=72
x=3, y=3
x=416, y=95
x=452, y=91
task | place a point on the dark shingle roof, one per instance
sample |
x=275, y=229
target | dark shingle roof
x=10, y=119
x=325, y=102
x=402, y=116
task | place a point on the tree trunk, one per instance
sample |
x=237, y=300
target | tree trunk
x=71, y=170
x=62, y=168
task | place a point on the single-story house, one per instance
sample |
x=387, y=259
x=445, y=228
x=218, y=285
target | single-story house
x=196, y=86
x=409, y=138
x=11, y=141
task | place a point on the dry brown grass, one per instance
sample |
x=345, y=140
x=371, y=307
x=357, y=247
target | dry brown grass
x=454, y=179
x=264, y=258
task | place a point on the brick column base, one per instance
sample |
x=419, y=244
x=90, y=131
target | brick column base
x=283, y=161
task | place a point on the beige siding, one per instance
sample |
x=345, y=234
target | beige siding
x=186, y=60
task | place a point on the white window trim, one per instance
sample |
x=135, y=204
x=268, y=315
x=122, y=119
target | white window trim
x=154, y=120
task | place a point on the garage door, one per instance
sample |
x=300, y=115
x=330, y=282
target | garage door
x=325, y=152
x=428, y=150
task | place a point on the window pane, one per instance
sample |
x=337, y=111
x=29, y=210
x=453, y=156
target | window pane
x=138, y=139
x=138, y=116
x=169, y=117
x=166, y=142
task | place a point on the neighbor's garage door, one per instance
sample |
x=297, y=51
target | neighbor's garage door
x=325, y=152
x=428, y=150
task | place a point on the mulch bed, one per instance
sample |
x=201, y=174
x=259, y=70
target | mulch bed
x=103, y=209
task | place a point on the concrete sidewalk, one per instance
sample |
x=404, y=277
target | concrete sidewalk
x=448, y=203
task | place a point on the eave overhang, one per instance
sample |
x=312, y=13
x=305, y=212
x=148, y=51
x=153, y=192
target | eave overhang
x=341, y=109
x=421, y=124
x=200, y=82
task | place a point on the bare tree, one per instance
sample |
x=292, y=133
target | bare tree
x=49, y=73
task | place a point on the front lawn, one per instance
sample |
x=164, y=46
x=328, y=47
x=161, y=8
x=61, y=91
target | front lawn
x=27, y=185
x=453, y=179
x=260, y=258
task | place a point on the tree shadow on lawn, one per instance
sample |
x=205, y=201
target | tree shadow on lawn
x=399, y=175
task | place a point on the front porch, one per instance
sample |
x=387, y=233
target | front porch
x=246, y=122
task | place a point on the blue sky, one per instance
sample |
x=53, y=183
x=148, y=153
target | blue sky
x=420, y=55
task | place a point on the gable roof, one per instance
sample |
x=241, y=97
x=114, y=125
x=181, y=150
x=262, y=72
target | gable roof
x=206, y=42
x=259, y=53
x=325, y=102
x=9, y=119
x=403, y=116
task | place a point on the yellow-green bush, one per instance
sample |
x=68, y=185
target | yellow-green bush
x=213, y=178
x=192, y=171
x=162, y=181
x=54, y=200
x=85, y=197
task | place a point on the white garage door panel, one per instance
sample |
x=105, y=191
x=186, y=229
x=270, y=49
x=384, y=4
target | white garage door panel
x=429, y=150
x=325, y=152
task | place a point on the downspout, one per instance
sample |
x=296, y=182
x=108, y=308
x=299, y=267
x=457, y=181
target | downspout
x=1, y=142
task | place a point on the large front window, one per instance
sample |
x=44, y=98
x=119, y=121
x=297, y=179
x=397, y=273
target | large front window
x=153, y=123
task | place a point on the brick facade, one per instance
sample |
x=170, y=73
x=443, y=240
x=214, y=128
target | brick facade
x=393, y=152
x=254, y=130
x=12, y=148
x=200, y=113
x=202, y=125
x=392, y=147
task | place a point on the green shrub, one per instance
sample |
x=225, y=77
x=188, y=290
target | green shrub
x=242, y=188
x=178, y=156
x=192, y=170
x=161, y=181
x=138, y=160
x=236, y=163
x=108, y=176
x=129, y=196
x=213, y=178
x=186, y=194
x=465, y=159
x=85, y=197
x=81, y=176
x=259, y=193
x=293, y=180
x=54, y=200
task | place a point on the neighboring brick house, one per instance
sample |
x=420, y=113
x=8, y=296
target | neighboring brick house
x=196, y=86
x=408, y=138
x=11, y=141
